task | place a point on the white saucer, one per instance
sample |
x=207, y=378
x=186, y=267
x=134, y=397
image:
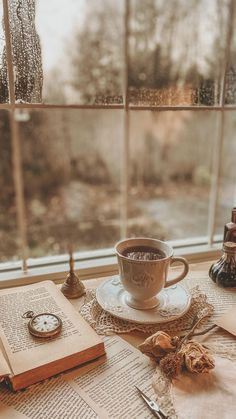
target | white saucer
x=174, y=302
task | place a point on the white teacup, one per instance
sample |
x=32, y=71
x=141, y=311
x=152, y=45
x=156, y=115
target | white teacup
x=144, y=279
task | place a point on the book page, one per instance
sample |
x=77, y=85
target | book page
x=110, y=387
x=25, y=351
x=4, y=366
x=102, y=389
x=223, y=299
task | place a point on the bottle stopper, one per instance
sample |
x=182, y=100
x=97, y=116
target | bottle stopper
x=73, y=287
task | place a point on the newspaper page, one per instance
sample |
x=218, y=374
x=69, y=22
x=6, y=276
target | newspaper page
x=53, y=399
x=23, y=350
x=102, y=389
x=222, y=299
x=110, y=389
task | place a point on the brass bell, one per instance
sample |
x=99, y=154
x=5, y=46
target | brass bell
x=73, y=287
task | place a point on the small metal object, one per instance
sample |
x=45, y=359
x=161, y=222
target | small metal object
x=153, y=406
x=73, y=287
x=43, y=325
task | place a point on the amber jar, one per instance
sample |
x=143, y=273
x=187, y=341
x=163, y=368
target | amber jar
x=223, y=272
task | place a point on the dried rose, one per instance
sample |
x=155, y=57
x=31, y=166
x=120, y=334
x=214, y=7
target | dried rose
x=158, y=345
x=172, y=364
x=196, y=358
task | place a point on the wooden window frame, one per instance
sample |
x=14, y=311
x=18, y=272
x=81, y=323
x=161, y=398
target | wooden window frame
x=97, y=263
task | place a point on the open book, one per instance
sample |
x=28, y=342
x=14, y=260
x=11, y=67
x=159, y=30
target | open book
x=25, y=359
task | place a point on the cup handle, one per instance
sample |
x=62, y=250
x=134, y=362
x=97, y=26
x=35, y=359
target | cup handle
x=182, y=275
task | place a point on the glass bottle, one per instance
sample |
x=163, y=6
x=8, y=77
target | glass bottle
x=230, y=228
x=223, y=272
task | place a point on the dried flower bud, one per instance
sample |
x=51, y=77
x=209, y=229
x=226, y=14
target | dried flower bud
x=197, y=359
x=172, y=364
x=158, y=345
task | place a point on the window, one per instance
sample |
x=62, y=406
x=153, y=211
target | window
x=117, y=119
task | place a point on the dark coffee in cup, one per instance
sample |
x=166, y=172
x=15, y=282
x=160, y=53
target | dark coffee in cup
x=143, y=253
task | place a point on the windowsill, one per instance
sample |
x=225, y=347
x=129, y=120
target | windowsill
x=93, y=264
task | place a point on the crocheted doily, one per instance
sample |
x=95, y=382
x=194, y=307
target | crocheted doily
x=105, y=323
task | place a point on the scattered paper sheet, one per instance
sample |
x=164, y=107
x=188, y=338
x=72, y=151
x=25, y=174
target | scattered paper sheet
x=227, y=321
x=102, y=389
x=210, y=396
x=223, y=299
x=53, y=399
x=8, y=412
x=109, y=388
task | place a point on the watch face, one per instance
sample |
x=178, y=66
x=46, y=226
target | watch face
x=45, y=325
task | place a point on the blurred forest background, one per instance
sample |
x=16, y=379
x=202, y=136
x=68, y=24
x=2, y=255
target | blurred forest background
x=72, y=158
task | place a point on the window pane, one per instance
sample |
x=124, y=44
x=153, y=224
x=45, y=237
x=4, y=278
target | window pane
x=176, y=51
x=8, y=228
x=227, y=195
x=81, y=50
x=170, y=173
x=230, y=91
x=72, y=179
x=3, y=67
x=26, y=51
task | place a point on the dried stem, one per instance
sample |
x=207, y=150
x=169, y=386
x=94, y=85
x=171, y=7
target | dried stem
x=194, y=326
x=203, y=332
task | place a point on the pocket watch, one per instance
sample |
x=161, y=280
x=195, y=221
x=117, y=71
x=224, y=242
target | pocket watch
x=43, y=325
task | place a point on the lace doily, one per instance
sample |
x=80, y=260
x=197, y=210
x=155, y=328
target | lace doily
x=105, y=324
